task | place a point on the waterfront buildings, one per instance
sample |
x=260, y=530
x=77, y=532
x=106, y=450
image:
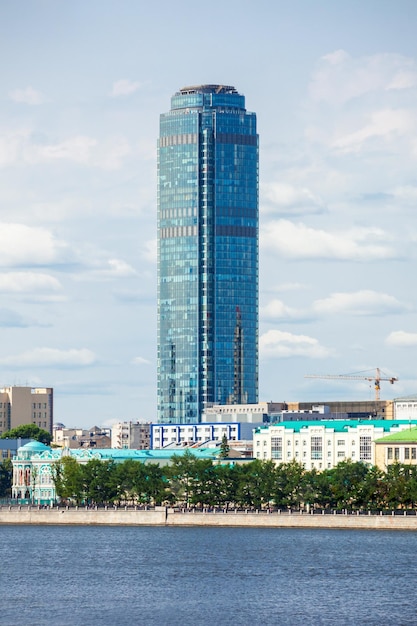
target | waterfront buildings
x=322, y=445
x=26, y=405
x=33, y=465
x=207, y=253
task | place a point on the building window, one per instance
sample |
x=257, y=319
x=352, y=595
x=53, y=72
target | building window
x=316, y=448
x=365, y=448
x=397, y=454
x=406, y=453
x=389, y=454
x=413, y=454
x=340, y=442
x=276, y=448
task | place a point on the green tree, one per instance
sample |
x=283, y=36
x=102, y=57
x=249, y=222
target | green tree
x=28, y=431
x=288, y=487
x=181, y=474
x=100, y=482
x=67, y=475
x=224, y=448
x=6, y=477
x=346, y=481
x=256, y=483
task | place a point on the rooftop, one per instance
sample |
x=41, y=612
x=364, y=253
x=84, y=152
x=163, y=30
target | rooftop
x=409, y=435
x=338, y=426
x=208, y=89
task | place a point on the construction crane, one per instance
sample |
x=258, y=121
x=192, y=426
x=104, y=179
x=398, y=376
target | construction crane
x=375, y=379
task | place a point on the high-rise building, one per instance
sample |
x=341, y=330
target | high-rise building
x=26, y=405
x=207, y=253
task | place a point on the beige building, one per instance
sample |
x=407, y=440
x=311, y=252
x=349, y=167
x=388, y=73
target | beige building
x=131, y=435
x=73, y=438
x=26, y=405
x=398, y=447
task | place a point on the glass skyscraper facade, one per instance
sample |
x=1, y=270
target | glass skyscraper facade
x=207, y=253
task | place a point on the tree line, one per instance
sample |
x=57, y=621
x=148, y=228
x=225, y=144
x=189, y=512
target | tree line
x=190, y=481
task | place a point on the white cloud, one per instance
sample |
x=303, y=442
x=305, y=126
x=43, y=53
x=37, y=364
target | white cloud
x=51, y=357
x=150, y=251
x=401, y=339
x=115, y=268
x=27, y=96
x=20, y=146
x=285, y=198
x=365, y=302
x=277, y=310
x=339, y=77
x=298, y=241
x=276, y=343
x=385, y=124
x=28, y=282
x=124, y=87
x=289, y=287
x=78, y=149
x=139, y=360
x=25, y=245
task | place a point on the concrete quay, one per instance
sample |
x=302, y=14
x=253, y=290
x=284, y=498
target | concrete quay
x=161, y=516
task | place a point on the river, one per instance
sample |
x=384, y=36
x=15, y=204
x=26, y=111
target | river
x=90, y=576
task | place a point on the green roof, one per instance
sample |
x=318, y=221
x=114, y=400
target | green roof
x=339, y=426
x=144, y=455
x=409, y=435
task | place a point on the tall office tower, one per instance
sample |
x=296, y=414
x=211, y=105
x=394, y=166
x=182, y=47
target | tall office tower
x=207, y=253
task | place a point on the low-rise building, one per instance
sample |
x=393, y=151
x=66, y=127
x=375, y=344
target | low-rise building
x=9, y=447
x=127, y=435
x=93, y=437
x=243, y=413
x=163, y=435
x=399, y=447
x=26, y=405
x=322, y=445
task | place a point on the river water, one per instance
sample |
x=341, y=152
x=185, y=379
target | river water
x=90, y=576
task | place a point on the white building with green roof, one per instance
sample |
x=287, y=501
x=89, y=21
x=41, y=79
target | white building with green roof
x=322, y=445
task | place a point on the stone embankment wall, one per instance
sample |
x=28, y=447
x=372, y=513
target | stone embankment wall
x=168, y=517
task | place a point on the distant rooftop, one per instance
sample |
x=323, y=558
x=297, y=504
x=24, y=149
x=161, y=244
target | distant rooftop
x=409, y=435
x=208, y=89
x=338, y=426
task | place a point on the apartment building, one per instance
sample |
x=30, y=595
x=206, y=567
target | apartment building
x=26, y=405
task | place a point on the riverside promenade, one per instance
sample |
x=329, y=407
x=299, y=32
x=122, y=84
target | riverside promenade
x=165, y=516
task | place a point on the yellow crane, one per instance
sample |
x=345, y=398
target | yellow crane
x=376, y=379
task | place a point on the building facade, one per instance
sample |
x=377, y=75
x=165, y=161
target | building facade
x=163, y=435
x=93, y=437
x=207, y=253
x=400, y=447
x=33, y=466
x=405, y=408
x=322, y=445
x=135, y=435
x=26, y=405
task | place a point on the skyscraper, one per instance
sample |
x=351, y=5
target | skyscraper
x=207, y=253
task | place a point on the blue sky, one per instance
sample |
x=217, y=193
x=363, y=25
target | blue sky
x=334, y=86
